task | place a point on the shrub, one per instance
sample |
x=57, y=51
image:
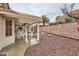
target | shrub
x=56, y=23
x=68, y=19
x=53, y=24
x=60, y=22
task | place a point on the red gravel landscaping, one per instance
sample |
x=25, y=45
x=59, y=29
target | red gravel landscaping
x=53, y=45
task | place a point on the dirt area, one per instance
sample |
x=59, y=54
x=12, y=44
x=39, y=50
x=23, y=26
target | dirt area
x=53, y=45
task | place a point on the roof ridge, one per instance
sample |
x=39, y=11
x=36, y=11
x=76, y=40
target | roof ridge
x=21, y=13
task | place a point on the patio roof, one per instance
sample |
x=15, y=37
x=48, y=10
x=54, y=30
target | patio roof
x=25, y=18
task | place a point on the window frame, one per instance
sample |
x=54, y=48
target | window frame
x=8, y=28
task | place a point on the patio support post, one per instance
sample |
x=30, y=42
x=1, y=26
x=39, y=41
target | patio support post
x=37, y=32
x=29, y=37
x=26, y=34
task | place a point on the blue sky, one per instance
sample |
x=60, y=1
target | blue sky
x=50, y=9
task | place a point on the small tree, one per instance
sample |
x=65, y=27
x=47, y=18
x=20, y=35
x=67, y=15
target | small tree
x=45, y=19
x=68, y=10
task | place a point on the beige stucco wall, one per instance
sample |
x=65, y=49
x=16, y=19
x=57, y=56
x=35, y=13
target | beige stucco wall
x=0, y=35
x=5, y=41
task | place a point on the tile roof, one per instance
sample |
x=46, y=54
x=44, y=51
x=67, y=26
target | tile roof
x=12, y=13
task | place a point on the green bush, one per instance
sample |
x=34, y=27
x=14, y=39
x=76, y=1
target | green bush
x=60, y=22
x=68, y=19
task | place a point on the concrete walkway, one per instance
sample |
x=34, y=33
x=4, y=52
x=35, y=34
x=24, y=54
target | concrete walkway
x=16, y=49
x=53, y=45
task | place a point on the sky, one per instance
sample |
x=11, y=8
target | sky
x=52, y=10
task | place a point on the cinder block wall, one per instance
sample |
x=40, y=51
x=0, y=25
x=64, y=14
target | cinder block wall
x=68, y=30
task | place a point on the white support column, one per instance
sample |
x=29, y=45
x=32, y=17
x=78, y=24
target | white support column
x=38, y=32
x=29, y=37
x=26, y=39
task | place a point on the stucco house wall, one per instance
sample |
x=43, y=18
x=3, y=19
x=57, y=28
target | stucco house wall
x=6, y=40
x=0, y=35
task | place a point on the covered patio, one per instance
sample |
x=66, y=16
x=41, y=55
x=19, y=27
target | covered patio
x=28, y=32
x=29, y=23
x=17, y=27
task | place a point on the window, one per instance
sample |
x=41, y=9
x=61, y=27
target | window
x=8, y=27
